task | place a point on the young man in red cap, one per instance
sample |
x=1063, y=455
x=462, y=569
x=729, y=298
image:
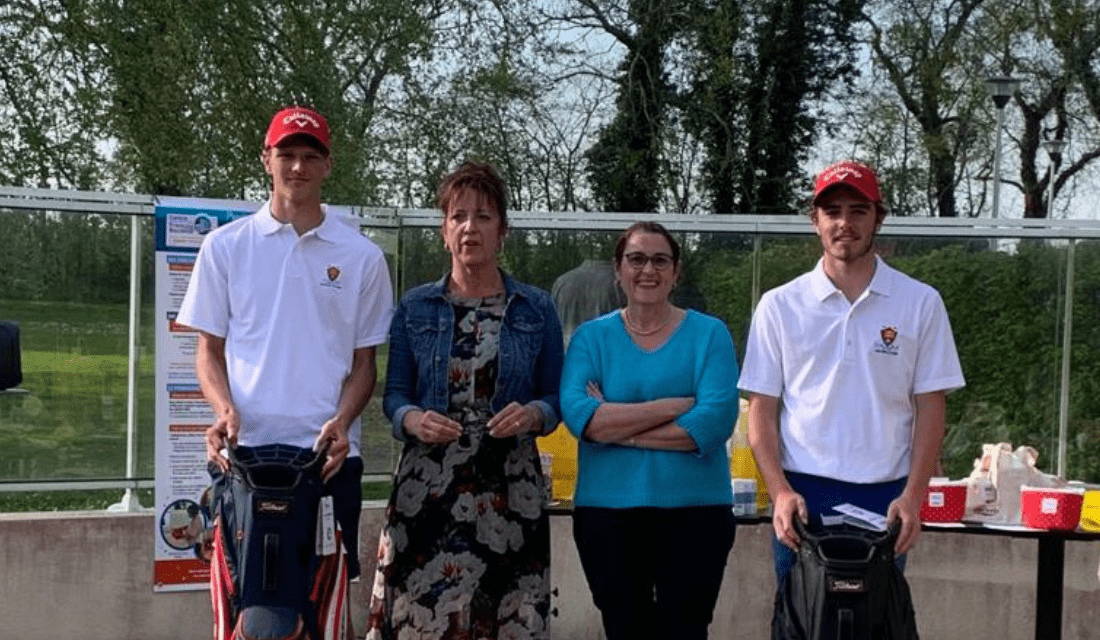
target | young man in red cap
x=290, y=304
x=847, y=367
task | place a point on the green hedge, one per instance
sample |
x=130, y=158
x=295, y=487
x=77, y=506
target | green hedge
x=1005, y=308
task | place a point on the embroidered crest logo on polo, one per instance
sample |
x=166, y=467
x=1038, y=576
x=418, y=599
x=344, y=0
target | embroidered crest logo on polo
x=332, y=281
x=888, y=334
x=886, y=344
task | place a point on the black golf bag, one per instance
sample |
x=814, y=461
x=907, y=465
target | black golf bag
x=267, y=505
x=844, y=586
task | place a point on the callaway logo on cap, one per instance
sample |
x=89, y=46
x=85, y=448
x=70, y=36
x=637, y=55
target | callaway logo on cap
x=297, y=120
x=854, y=174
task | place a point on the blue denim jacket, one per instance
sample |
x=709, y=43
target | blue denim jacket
x=421, y=336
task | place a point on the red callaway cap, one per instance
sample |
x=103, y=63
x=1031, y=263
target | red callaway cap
x=297, y=120
x=854, y=174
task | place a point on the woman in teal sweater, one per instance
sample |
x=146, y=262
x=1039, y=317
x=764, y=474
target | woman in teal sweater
x=650, y=391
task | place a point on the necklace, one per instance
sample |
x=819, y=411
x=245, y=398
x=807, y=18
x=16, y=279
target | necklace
x=648, y=332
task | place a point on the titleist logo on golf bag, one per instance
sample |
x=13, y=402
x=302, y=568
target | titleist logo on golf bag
x=845, y=585
x=274, y=507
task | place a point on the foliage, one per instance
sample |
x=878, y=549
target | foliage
x=625, y=161
x=919, y=46
x=72, y=257
x=800, y=49
x=713, y=96
x=54, y=121
x=71, y=423
x=182, y=91
x=539, y=257
x=1006, y=314
x=502, y=83
x=686, y=106
x=41, y=501
x=1005, y=308
x=933, y=130
x=740, y=78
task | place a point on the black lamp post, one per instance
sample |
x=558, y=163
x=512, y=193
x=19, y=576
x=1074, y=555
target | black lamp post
x=1054, y=149
x=1001, y=89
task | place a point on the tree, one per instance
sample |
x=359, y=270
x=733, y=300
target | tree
x=189, y=87
x=625, y=161
x=936, y=58
x=503, y=83
x=920, y=46
x=1067, y=91
x=48, y=100
x=713, y=98
x=800, y=49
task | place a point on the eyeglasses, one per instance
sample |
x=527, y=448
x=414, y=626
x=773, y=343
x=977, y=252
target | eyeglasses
x=637, y=261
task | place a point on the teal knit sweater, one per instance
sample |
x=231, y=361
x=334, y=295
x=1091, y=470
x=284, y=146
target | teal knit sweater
x=697, y=360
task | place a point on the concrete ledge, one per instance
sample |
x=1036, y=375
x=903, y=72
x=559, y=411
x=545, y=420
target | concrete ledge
x=89, y=575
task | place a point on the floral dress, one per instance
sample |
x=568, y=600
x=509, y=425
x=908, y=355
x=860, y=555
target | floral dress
x=465, y=551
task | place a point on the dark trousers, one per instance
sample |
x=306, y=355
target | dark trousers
x=654, y=573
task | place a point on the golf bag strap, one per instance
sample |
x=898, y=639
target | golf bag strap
x=221, y=588
x=330, y=594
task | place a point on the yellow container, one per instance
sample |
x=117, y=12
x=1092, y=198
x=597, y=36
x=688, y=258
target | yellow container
x=563, y=467
x=1090, y=511
x=742, y=461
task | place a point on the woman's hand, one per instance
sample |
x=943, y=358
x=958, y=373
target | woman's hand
x=515, y=419
x=430, y=427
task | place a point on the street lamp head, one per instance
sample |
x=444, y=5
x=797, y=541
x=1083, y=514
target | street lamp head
x=1054, y=148
x=1001, y=89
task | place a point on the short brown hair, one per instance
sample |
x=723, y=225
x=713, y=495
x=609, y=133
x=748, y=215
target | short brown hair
x=646, y=226
x=480, y=177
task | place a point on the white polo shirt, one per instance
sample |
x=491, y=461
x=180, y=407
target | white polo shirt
x=292, y=310
x=846, y=373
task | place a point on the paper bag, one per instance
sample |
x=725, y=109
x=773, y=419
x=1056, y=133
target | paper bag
x=993, y=488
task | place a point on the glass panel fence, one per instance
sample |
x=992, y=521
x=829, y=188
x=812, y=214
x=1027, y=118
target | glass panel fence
x=65, y=278
x=1083, y=425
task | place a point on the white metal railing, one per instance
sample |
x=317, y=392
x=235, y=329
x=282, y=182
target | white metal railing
x=391, y=217
x=137, y=205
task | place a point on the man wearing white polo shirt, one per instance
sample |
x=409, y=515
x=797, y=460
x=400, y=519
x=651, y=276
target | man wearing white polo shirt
x=290, y=304
x=847, y=368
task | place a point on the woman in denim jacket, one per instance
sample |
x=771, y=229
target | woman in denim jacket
x=474, y=366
